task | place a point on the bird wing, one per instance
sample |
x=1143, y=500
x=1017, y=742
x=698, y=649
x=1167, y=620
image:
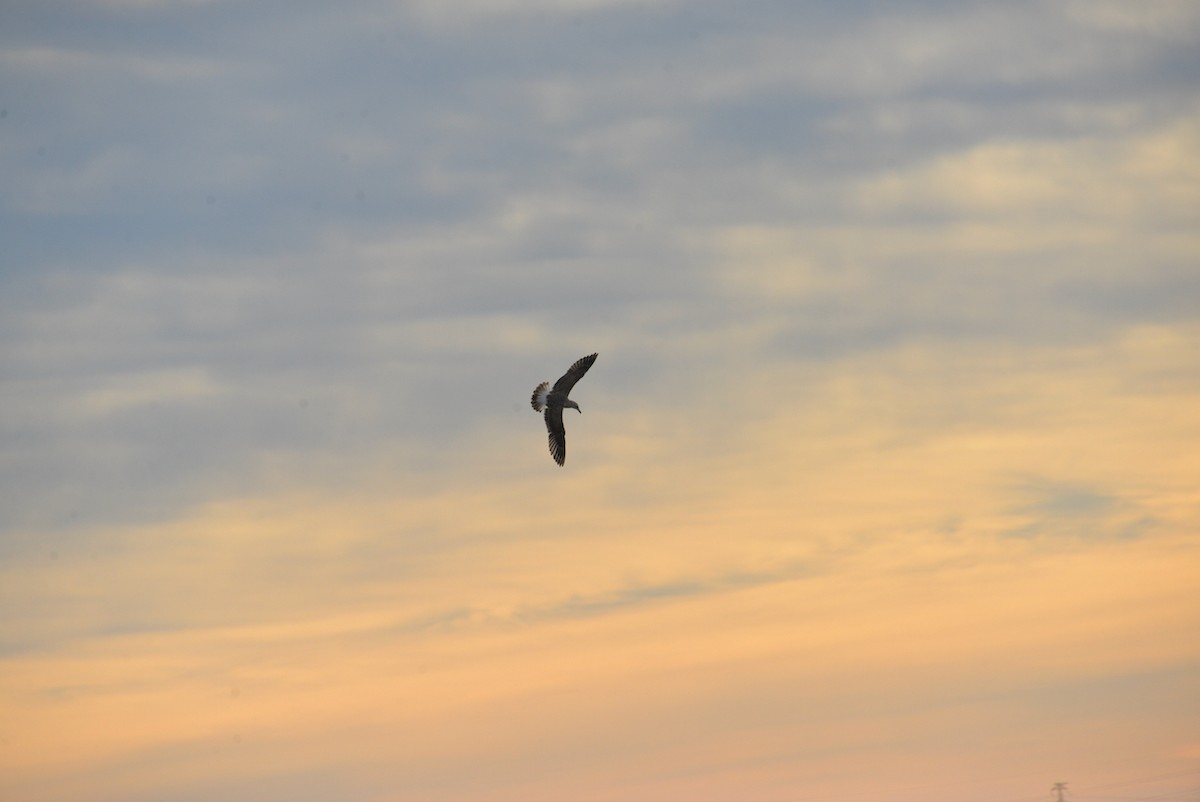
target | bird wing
x=558, y=434
x=574, y=374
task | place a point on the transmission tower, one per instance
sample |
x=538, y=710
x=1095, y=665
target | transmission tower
x=1058, y=788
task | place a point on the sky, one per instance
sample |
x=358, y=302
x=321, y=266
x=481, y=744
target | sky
x=884, y=484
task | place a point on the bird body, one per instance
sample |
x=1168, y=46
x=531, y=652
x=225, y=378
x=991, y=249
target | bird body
x=551, y=401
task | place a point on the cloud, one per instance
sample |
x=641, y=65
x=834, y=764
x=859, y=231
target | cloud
x=483, y=12
x=874, y=290
x=1064, y=510
x=1145, y=179
x=838, y=663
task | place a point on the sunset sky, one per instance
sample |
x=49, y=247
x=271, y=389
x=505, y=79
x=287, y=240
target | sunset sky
x=886, y=484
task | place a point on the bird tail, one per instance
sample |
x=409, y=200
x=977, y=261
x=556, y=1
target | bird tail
x=538, y=400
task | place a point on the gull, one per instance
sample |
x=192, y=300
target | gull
x=552, y=400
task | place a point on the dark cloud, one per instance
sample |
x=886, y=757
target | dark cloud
x=578, y=607
x=1059, y=509
x=367, y=205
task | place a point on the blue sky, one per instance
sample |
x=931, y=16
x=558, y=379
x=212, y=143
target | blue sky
x=894, y=303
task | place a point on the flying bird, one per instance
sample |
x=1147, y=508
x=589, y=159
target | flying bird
x=554, y=399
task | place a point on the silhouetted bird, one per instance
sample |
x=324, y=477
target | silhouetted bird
x=554, y=399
